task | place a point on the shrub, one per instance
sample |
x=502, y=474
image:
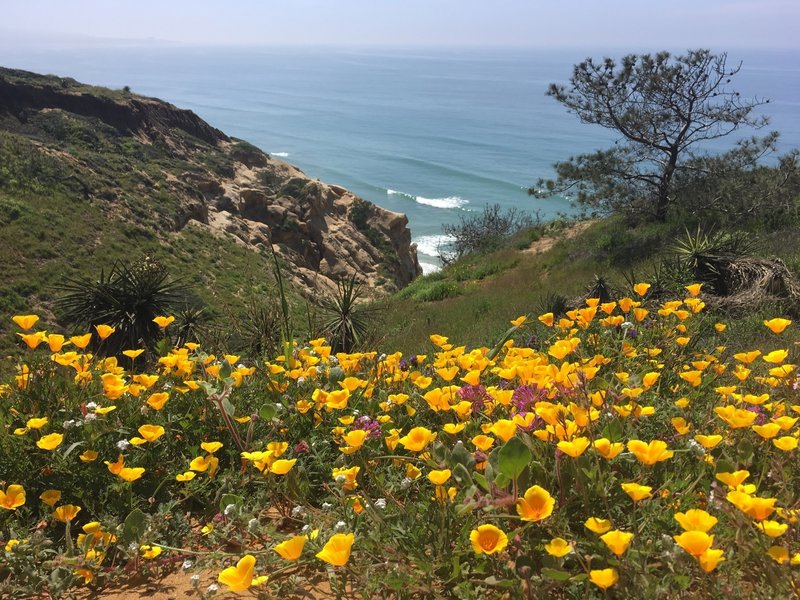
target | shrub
x=483, y=232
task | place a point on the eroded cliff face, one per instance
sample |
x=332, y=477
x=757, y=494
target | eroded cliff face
x=140, y=154
x=324, y=231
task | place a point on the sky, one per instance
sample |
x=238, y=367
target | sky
x=677, y=24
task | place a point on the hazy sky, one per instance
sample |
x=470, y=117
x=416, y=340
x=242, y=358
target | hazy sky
x=719, y=24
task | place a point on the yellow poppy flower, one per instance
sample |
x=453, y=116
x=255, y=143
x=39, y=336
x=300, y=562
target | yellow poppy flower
x=211, y=447
x=116, y=466
x=641, y=288
x=347, y=477
x=547, y=319
x=694, y=289
x=652, y=453
x=337, y=549
x=637, y=492
x=607, y=449
x=710, y=559
x=163, y=322
x=597, y=525
x=694, y=542
x=558, y=547
x=488, y=539
x=454, y=428
x=537, y=504
x=504, y=429
x=292, y=548
x=150, y=552
x=779, y=554
x=36, y=423
x=439, y=477
x=13, y=497
x=786, y=443
x=773, y=529
x=733, y=480
x=81, y=341
x=777, y=325
x=66, y=513
x=151, y=432
x=282, y=466
x=483, y=442
x=32, y=340
x=240, y=577
x=104, y=331
x=25, y=321
x=575, y=447
x=55, y=341
x=50, y=497
x=158, y=400
x=50, y=441
x=186, y=476
x=603, y=578
x=132, y=354
x=775, y=357
x=736, y=418
x=695, y=519
x=130, y=474
x=617, y=541
x=708, y=441
x=417, y=439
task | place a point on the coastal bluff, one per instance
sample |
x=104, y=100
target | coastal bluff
x=147, y=163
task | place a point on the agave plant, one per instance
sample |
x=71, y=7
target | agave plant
x=127, y=298
x=345, y=322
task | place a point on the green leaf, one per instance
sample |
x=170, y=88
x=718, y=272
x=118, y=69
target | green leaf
x=555, y=574
x=613, y=431
x=481, y=481
x=229, y=409
x=72, y=447
x=134, y=527
x=228, y=499
x=513, y=457
x=268, y=411
x=502, y=480
x=724, y=466
x=461, y=474
x=460, y=455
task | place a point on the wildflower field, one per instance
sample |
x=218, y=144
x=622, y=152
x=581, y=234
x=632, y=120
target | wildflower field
x=619, y=451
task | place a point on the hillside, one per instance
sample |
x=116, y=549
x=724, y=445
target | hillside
x=90, y=176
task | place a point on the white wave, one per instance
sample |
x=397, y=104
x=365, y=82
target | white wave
x=281, y=154
x=431, y=245
x=428, y=268
x=448, y=202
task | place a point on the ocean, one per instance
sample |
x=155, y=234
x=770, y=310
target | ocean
x=435, y=134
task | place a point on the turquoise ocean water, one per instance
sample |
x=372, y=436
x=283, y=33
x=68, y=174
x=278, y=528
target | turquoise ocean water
x=431, y=133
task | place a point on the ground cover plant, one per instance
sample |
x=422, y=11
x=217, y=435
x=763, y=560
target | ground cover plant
x=620, y=450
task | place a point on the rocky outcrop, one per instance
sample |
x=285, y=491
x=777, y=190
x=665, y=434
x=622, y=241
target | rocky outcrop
x=196, y=176
x=326, y=232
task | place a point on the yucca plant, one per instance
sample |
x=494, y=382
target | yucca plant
x=127, y=298
x=345, y=322
x=706, y=256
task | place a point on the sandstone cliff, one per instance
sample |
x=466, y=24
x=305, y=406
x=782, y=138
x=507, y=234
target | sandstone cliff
x=144, y=161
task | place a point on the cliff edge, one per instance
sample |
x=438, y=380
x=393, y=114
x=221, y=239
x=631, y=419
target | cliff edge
x=151, y=165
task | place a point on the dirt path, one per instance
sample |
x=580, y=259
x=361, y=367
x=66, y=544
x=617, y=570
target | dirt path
x=548, y=241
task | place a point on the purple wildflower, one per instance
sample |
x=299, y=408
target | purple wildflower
x=370, y=425
x=475, y=394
